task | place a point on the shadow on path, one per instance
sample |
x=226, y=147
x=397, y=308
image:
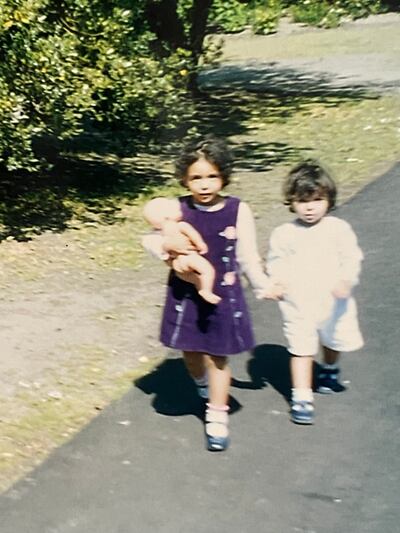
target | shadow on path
x=268, y=365
x=277, y=78
x=174, y=392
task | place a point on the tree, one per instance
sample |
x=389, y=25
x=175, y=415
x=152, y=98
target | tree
x=165, y=20
x=91, y=67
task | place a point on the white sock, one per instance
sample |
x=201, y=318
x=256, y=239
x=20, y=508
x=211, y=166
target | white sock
x=302, y=395
x=333, y=366
x=217, y=420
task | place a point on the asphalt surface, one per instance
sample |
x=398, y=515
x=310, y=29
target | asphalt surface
x=247, y=64
x=141, y=466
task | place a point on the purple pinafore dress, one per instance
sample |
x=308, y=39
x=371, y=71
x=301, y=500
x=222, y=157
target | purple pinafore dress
x=190, y=323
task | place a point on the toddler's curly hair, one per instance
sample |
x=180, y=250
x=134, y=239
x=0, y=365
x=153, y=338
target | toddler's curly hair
x=307, y=178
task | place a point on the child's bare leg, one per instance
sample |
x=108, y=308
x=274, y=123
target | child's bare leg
x=195, y=364
x=301, y=371
x=217, y=409
x=302, y=408
x=219, y=375
x=331, y=357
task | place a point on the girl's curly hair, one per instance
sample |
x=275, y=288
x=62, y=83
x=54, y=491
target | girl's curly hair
x=210, y=148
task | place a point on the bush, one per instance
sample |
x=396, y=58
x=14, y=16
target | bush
x=265, y=16
x=90, y=68
x=229, y=16
x=329, y=13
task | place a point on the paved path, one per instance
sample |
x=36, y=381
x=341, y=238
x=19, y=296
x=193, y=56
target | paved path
x=141, y=465
x=356, y=58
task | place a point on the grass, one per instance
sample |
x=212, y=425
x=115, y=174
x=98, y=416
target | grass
x=354, y=139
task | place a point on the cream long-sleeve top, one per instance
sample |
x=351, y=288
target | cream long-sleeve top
x=247, y=253
x=310, y=260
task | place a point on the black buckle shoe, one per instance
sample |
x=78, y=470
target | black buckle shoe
x=328, y=381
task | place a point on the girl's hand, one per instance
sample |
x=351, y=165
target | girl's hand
x=342, y=290
x=275, y=292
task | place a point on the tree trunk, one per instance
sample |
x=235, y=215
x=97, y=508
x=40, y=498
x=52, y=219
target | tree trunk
x=164, y=22
x=198, y=26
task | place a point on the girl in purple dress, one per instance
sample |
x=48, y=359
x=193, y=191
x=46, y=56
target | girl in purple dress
x=206, y=333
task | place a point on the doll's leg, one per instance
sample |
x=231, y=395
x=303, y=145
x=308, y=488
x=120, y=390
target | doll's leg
x=202, y=275
x=206, y=278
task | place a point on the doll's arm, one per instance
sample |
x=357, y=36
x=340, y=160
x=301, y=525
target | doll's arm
x=164, y=214
x=196, y=240
x=177, y=237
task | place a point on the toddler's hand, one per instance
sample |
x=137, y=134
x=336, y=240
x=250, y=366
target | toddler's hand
x=274, y=292
x=342, y=290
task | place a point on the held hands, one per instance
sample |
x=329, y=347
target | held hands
x=342, y=290
x=276, y=291
x=273, y=291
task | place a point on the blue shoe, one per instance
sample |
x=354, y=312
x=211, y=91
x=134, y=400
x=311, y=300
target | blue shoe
x=202, y=391
x=217, y=444
x=302, y=412
x=328, y=381
x=216, y=430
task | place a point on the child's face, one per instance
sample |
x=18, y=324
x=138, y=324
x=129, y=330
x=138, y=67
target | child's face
x=311, y=209
x=204, y=182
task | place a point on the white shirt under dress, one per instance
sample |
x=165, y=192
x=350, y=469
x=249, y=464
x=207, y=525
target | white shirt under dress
x=309, y=260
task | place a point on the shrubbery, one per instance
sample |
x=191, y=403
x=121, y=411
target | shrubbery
x=262, y=16
x=329, y=13
x=89, y=67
